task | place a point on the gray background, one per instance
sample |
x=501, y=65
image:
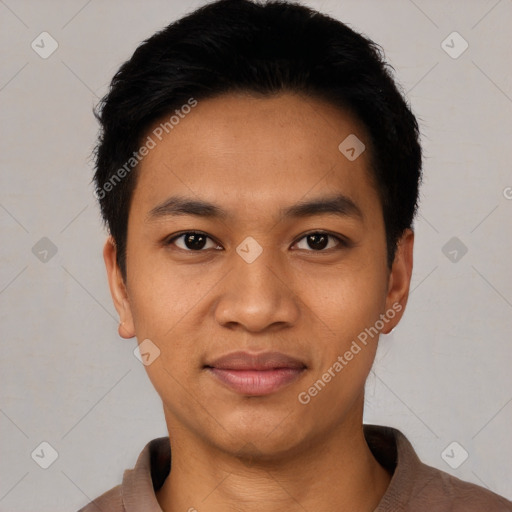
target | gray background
x=68, y=379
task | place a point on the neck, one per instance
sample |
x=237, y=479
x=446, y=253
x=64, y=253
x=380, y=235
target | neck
x=337, y=472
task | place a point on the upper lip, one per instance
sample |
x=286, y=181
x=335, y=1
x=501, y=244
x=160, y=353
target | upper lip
x=263, y=361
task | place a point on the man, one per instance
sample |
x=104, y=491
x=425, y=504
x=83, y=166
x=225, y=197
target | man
x=258, y=172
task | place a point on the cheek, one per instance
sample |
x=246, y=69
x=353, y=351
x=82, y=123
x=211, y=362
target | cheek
x=346, y=307
x=160, y=294
x=345, y=346
x=346, y=300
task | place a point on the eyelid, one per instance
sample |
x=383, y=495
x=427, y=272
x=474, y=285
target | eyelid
x=342, y=241
x=171, y=239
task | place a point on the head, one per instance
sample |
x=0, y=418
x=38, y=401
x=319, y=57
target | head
x=278, y=136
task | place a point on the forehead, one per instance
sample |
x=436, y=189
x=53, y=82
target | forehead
x=256, y=152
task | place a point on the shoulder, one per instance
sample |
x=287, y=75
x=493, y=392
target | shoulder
x=442, y=491
x=138, y=484
x=416, y=486
x=110, y=501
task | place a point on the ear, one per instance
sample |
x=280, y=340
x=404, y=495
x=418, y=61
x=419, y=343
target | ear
x=400, y=279
x=118, y=290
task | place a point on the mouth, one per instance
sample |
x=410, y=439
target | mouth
x=256, y=374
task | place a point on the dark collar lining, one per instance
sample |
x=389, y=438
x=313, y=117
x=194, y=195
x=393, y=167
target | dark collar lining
x=382, y=443
x=160, y=461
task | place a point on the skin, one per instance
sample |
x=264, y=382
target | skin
x=253, y=156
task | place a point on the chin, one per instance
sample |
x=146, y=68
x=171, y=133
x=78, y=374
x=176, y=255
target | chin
x=263, y=434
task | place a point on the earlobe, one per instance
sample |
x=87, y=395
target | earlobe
x=118, y=290
x=124, y=332
x=399, y=280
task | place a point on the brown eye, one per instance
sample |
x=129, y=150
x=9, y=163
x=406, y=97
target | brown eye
x=318, y=241
x=193, y=241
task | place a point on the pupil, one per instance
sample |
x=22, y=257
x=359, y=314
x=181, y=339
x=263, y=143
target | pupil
x=318, y=241
x=198, y=243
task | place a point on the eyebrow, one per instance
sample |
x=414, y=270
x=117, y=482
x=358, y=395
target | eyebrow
x=339, y=204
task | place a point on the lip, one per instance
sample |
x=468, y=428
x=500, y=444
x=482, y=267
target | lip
x=256, y=374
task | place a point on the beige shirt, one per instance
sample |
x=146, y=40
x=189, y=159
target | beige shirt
x=413, y=487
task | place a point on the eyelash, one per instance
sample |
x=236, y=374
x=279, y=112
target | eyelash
x=342, y=242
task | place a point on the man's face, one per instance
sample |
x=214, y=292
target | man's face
x=200, y=298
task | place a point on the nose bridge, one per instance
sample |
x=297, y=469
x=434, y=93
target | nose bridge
x=255, y=295
x=254, y=273
x=255, y=268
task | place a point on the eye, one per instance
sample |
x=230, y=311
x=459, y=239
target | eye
x=319, y=241
x=192, y=241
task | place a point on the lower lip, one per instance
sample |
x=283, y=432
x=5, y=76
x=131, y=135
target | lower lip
x=257, y=382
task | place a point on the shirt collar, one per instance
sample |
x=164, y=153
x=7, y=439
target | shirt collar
x=389, y=446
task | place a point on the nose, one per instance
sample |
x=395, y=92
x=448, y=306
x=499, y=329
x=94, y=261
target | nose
x=257, y=296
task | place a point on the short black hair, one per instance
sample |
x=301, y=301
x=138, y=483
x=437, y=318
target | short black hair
x=261, y=48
